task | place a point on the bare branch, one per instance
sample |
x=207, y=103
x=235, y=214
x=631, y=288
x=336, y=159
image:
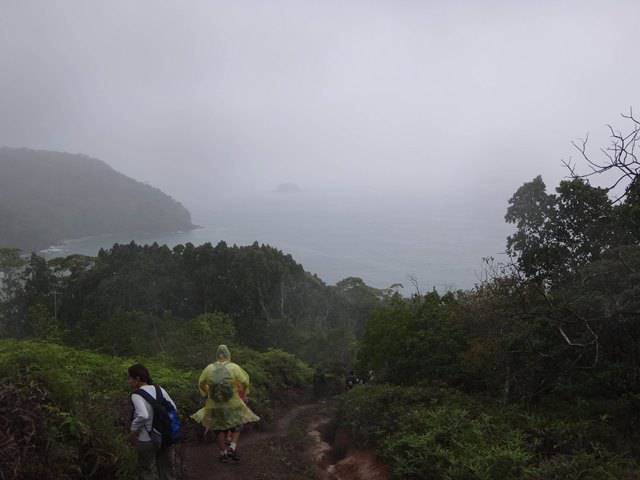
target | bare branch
x=568, y=340
x=619, y=156
x=625, y=264
x=414, y=281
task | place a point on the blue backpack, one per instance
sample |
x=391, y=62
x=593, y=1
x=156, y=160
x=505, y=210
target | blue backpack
x=165, y=430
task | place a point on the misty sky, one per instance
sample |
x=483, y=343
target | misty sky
x=212, y=99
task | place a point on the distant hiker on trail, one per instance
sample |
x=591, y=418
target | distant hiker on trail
x=154, y=425
x=319, y=383
x=225, y=384
x=351, y=380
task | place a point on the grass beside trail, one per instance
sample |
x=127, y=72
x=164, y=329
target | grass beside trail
x=64, y=412
x=440, y=433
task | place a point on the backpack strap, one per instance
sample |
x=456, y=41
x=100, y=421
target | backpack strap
x=145, y=395
x=159, y=396
x=152, y=401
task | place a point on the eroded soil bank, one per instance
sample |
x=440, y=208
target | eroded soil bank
x=335, y=457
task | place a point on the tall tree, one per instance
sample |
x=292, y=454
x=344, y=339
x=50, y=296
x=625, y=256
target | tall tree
x=557, y=233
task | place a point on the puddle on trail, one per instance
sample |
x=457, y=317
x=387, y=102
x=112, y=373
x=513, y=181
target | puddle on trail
x=339, y=461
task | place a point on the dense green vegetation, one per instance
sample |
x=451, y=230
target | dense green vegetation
x=72, y=408
x=47, y=197
x=516, y=379
x=436, y=432
x=256, y=294
x=64, y=411
x=168, y=308
x=532, y=374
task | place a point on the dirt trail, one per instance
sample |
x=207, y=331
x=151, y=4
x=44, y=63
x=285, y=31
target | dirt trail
x=278, y=454
x=295, y=449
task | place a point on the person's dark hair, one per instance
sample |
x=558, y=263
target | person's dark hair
x=140, y=371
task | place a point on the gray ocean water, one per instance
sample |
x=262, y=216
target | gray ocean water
x=382, y=241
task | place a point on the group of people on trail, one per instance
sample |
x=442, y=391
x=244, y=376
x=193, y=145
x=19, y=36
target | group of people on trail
x=352, y=379
x=155, y=425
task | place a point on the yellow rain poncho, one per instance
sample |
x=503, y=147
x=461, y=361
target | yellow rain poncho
x=223, y=410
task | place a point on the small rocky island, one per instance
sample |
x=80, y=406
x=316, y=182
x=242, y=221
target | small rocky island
x=288, y=188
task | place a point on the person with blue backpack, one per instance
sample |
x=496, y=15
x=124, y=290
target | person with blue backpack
x=155, y=425
x=225, y=384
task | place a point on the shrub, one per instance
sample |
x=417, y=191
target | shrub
x=433, y=433
x=82, y=407
x=273, y=374
x=584, y=466
x=80, y=412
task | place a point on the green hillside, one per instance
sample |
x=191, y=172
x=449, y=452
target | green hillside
x=46, y=197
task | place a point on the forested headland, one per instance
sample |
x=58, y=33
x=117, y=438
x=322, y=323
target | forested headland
x=532, y=374
x=47, y=197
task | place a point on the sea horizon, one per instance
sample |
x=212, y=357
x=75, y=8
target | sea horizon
x=384, y=244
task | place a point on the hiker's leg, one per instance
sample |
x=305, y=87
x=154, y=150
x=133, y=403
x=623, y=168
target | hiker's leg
x=235, y=436
x=221, y=438
x=164, y=461
x=221, y=441
x=146, y=467
x=233, y=446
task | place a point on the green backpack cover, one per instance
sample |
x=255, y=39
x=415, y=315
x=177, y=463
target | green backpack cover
x=221, y=389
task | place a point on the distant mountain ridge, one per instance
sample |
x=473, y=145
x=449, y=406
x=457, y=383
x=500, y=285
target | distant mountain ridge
x=47, y=197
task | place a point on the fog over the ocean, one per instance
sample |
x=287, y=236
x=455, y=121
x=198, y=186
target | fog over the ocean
x=407, y=103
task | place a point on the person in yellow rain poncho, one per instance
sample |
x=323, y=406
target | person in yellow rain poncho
x=226, y=385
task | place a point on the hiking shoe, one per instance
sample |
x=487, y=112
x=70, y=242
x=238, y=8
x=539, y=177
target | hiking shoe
x=223, y=458
x=233, y=455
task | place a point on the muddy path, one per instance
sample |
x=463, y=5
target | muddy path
x=281, y=453
x=303, y=445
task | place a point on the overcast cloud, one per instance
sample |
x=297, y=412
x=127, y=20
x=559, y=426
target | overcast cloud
x=211, y=99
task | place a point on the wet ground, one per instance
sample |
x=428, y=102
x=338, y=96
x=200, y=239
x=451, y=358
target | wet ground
x=303, y=445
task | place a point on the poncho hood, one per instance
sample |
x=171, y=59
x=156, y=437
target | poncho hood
x=223, y=354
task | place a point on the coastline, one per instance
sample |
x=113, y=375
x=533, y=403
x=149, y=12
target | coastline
x=60, y=248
